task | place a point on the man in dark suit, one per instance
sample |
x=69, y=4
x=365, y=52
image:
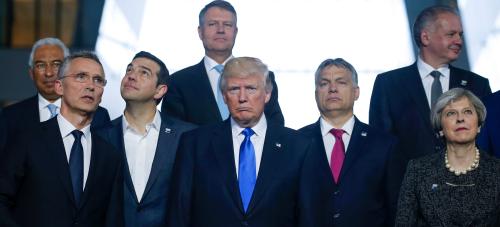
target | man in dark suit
x=147, y=140
x=245, y=171
x=193, y=94
x=62, y=174
x=46, y=57
x=354, y=180
x=489, y=138
x=402, y=98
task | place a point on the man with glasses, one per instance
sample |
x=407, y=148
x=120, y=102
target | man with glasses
x=45, y=60
x=62, y=174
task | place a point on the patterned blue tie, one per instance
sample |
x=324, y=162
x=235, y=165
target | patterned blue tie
x=53, y=110
x=224, y=112
x=246, y=169
x=76, y=165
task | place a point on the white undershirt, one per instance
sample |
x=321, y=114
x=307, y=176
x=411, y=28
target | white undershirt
x=140, y=150
x=257, y=140
x=329, y=139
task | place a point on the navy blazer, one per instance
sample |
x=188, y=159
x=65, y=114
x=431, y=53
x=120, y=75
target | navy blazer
x=35, y=182
x=399, y=106
x=150, y=210
x=489, y=138
x=365, y=194
x=190, y=98
x=205, y=189
x=24, y=116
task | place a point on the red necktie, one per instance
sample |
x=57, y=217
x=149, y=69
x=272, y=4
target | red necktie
x=338, y=154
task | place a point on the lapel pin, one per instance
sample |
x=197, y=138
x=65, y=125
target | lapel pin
x=167, y=130
x=278, y=145
x=363, y=133
x=434, y=187
x=463, y=82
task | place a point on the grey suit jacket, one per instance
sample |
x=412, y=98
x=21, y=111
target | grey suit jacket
x=433, y=196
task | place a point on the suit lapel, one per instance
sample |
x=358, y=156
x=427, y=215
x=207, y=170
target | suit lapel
x=326, y=172
x=222, y=147
x=458, y=80
x=164, y=155
x=59, y=154
x=414, y=86
x=204, y=88
x=356, y=147
x=269, y=162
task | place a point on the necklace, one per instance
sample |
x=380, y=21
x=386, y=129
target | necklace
x=473, y=166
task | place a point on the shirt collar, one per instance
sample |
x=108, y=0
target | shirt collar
x=326, y=127
x=156, y=123
x=42, y=102
x=211, y=63
x=66, y=127
x=425, y=69
x=259, y=128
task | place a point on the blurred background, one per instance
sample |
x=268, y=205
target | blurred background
x=291, y=37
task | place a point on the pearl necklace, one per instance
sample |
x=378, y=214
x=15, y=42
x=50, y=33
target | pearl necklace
x=473, y=166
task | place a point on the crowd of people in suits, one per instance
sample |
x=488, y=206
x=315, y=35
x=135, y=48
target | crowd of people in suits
x=218, y=153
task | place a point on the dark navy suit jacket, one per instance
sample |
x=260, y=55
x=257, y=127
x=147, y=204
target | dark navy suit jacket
x=150, y=210
x=24, y=116
x=489, y=138
x=35, y=182
x=190, y=98
x=205, y=190
x=365, y=194
x=399, y=106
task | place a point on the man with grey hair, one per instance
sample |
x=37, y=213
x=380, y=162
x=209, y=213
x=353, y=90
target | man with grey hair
x=62, y=174
x=46, y=57
x=247, y=170
x=193, y=95
x=354, y=158
x=402, y=98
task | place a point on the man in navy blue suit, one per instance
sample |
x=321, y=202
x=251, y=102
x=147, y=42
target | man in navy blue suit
x=61, y=173
x=193, y=94
x=247, y=170
x=489, y=138
x=402, y=98
x=46, y=57
x=147, y=139
x=354, y=158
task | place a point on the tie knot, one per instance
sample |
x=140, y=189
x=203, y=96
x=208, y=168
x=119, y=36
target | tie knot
x=219, y=68
x=435, y=74
x=248, y=132
x=337, y=133
x=77, y=134
x=52, y=108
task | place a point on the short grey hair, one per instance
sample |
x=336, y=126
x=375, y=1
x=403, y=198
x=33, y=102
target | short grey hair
x=217, y=3
x=244, y=67
x=339, y=63
x=45, y=42
x=427, y=16
x=81, y=54
x=454, y=95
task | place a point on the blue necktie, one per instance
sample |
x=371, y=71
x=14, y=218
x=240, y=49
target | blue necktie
x=53, y=110
x=76, y=165
x=436, y=89
x=224, y=112
x=246, y=169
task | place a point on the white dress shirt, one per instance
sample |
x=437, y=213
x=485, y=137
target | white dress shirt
x=213, y=75
x=257, y=140
x=68, y=139
x=329, y=139
x=425, y=69
x=140, y=149
x=44, y=110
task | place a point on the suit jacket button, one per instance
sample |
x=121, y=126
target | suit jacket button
x=336, y=192
x=336, y=215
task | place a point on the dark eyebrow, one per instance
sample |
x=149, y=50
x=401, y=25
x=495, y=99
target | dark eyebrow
x=146, y=68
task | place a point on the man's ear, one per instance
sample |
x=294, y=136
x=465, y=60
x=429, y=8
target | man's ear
x=58, y=87
x=161, y=90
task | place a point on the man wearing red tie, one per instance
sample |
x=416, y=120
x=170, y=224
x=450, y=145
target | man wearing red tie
x=354, y=158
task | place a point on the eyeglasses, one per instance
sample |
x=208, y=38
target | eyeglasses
x=83, y=77
x=42, y=66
